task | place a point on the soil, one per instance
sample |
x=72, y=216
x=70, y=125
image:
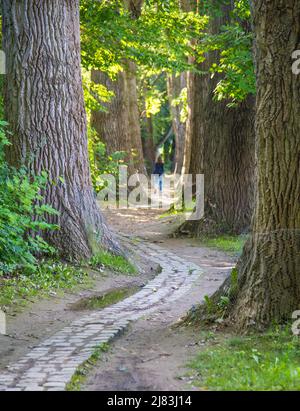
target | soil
x=152, y=354
x=42, y=318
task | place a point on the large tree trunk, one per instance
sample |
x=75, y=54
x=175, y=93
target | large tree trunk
x=119, y=128
x=112, y=125
x=45, y=108
x=176, y=84
x=220, y=145
x=192, y=95
x=269, y=269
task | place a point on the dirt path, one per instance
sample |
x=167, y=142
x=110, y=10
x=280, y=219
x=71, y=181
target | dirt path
x=48, y=341
x=152, y=354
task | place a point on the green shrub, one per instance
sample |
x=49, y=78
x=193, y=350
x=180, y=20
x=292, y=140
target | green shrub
x=47, y=278
x=113, y=262
x=101, y=163
x=21, y=216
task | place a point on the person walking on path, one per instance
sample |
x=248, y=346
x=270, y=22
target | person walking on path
x=159, y=171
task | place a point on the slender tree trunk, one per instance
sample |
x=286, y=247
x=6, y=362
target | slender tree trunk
x=269, y=269
x=135, y=9
x=119, y=128
x=220, y=145
x=112, y=125
x=134, y=117
x=176, y=84
x=45, y=108
x=193, y=137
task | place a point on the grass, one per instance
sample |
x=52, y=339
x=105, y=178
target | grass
x=113, y=262
x=106, y=299
x=174, y=211
x=264, y=362
x=49, y=277
x=84, y=369
x=231, y=244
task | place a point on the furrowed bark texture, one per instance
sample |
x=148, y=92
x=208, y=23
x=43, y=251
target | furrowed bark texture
x=135, y=9
x=220, y=145
x=45, y=108
x=269, y=269
x=112, y=125
x=176, y=84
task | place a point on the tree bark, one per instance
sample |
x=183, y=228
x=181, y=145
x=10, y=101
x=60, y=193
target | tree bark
x=148, y=144
x=119, y=128
x=112, y=125
x=269, y=273
x=220, y=145
x=192, y=94
x=45, y=108
x=193, y=138
x=134, y=117
x=135, y=9
x=175, y=86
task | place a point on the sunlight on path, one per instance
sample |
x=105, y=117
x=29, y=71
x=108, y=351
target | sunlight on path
x=51, y=364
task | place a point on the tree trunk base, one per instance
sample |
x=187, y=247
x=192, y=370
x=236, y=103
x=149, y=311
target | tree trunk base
x=262, y=290
x=82, y=229
x=208, y=227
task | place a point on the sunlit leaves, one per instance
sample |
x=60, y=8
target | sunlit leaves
x=160, y=38
x=235, y=63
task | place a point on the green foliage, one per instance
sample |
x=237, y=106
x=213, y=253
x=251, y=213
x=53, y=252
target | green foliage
x=84, y=369
x=47, y=277
x=236, y=64
x=22, y=217
x=113, y=262
x=209, y=304
x=100, y=162
x=155, y=83
x=260, y=362
x=94, y=94
x=181, y=100
x=234, y=43
x=160, y=38
x=233, y=282
x=154, y=99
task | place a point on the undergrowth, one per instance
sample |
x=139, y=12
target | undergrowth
x=84, y=369
x=258, y=362
x=117, y=263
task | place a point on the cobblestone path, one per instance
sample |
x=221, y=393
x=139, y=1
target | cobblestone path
x=50, y=365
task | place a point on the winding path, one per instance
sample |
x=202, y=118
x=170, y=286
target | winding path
x=50, y=365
